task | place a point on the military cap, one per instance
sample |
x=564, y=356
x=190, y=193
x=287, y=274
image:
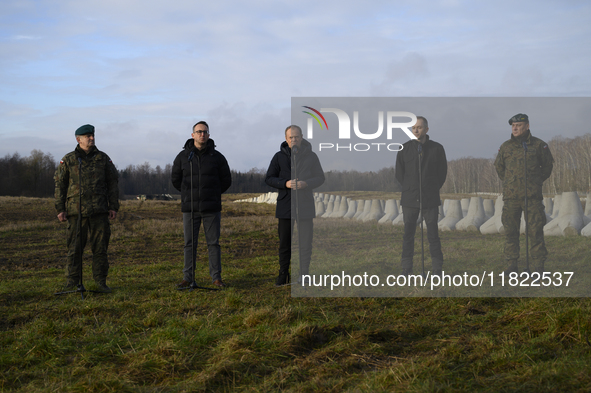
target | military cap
x=85, y=129
x=519, y=117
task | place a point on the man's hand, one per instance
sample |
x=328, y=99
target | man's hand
x=296, y=184
x=112, y=214
x=62, y=217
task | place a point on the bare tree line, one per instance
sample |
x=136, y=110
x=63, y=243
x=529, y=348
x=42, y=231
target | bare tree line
x=572, y=170
x=33, y=175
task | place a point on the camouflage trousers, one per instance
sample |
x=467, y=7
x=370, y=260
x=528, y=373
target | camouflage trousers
x=97, y=230
x=511, y=219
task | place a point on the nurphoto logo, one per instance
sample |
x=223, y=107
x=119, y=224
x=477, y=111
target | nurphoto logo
x=392, y=120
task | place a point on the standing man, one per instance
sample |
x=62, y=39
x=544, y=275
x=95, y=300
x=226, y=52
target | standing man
x=211, y=178
x=433, y=173
x=87, y=181
x=510, y=166
x=282, y=175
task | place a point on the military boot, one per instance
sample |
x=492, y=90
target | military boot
x=511, y=268
x=406, y=266
x=538, y=266
x=102, y=286
x=436, y=266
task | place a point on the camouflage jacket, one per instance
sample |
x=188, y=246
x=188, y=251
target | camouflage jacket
x=100, y=189
x=510, y=167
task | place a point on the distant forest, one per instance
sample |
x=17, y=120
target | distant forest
x=33, y=175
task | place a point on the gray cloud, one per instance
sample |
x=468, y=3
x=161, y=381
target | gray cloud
x=143, y=72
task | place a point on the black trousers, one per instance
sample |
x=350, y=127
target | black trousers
x=305, y=236
x=410, y=216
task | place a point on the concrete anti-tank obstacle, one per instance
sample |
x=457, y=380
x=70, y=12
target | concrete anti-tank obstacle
x=548, y=207
x=359, y=211
x=586, y=231
x=366, y=210
x=328, y=209
x=570, y=220
x=319, y=208
x=399, y=220
x=494, y=225
x=273, y=198
x=445, y=206
x=342, y=210
x=352, y=209
x=475, y=217
x=588, y=206
x=453, y=216
x=337, y=202
x=465, y=206
x=328, y=205
x=489, y=208
x=375, y=212
x=556, y=208
x=390, y=212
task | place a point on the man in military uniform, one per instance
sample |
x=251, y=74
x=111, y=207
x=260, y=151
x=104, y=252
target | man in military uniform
x=89, y=173
x=510, y=165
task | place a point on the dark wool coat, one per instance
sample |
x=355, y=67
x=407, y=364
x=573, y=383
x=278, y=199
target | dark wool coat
x=307, y=169
x=211, y=177
x=433, y=168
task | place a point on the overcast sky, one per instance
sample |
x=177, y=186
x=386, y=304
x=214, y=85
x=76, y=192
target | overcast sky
x=143, y=72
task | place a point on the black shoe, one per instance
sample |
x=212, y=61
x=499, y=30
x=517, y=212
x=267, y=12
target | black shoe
x=220, y=284
x=282, y=279
x=70, y=286
x=184, y=284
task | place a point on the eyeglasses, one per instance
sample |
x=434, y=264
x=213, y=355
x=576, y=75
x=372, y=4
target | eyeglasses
x=201, y=132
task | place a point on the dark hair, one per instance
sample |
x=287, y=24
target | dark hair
x=424, y=120
x=201, y=122
x=295, y=127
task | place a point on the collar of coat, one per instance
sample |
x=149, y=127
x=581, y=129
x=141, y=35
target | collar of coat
x=305, y=148
x=519, y=140
x=190, y=145
x=82, y=154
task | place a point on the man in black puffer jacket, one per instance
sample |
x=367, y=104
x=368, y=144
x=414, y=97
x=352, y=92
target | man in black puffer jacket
x=433, y=171
x=303, y=177
x=211, y=178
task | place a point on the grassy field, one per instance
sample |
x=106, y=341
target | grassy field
x=148, y=337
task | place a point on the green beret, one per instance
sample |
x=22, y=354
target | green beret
x=85, y=129
x=519, y=117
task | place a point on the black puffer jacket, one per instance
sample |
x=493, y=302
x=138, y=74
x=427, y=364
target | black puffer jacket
x=211, y=177
x=307, y=169
x=433, y=168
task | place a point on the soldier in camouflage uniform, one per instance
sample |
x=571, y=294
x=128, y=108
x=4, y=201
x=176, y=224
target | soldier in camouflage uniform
x=100, y=202
x=510, y=167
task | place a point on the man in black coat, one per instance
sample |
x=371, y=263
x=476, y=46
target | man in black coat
x=295, y=171
x=211, y=177
x=433, y=174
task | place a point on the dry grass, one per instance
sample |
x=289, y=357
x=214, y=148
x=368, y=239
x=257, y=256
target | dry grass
x=148, y=337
